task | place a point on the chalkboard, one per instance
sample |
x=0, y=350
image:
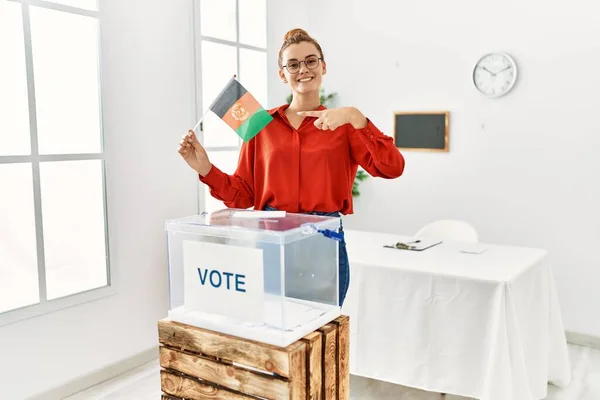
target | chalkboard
x=424, y=131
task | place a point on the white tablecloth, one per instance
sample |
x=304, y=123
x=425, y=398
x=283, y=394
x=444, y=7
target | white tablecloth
x=486, y=326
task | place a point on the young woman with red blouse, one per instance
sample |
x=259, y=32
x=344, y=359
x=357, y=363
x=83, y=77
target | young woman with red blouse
x=306, y=159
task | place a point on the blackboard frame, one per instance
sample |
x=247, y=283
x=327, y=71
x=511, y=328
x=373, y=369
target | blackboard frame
x=435, y=115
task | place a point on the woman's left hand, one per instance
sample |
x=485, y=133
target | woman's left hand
x=336, y=117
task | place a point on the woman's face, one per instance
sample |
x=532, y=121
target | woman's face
x=303, y=68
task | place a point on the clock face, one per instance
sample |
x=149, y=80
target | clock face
x=495, y=74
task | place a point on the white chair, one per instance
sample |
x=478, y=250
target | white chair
x=448, y=229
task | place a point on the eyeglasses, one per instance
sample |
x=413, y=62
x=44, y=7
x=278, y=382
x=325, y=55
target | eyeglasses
x=311, y=62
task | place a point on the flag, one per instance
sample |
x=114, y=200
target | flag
x=240, y=110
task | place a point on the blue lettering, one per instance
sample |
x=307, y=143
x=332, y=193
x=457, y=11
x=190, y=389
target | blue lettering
x=202, y=278
x=212, y=282
x=238, y=282
x=228, y=275
x=216, y=279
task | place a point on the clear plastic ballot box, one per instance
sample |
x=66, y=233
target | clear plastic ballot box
x=268, y=276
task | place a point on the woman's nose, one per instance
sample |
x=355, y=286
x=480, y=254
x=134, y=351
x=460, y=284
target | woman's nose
x=303, y=67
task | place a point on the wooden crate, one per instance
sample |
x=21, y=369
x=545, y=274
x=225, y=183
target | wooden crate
x=200, y=364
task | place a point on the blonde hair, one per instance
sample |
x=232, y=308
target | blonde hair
x=295, y=36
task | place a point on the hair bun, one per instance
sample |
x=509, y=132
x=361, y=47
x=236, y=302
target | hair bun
x=296, y=36
x=295, y=33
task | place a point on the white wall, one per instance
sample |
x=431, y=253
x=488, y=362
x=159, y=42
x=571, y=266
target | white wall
x=148, y=104
x=523, y=168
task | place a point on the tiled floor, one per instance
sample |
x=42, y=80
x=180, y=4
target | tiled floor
x=143, y=383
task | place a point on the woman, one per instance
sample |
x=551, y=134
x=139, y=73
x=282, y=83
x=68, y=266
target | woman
x=306, y=159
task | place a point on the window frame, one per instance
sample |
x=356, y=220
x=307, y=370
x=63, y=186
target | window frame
x=199, y=106
x=45, y=306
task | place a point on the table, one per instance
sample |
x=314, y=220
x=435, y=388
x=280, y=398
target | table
x=486, y=326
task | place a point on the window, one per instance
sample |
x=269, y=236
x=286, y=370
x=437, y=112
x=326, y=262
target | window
x=231, y=40
x=53, y=226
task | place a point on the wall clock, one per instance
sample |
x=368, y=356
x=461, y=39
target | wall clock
x=495, y=74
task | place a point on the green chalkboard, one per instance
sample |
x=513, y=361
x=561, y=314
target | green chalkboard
x=424, y=131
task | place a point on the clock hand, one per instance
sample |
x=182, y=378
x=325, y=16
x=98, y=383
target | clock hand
x=493, y=74
x=502, y=70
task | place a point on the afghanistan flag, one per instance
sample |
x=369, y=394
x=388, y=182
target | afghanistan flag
x=240, y=110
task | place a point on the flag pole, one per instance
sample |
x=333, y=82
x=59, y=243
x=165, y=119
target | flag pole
x=199, y=122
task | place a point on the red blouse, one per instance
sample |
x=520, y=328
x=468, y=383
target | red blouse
x=304, y=169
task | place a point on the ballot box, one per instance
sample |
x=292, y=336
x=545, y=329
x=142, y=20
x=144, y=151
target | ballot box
x=267, y=276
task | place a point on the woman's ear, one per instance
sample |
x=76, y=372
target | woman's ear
x=282, y=76
x=324, y=67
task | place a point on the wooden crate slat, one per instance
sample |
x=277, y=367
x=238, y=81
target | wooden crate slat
x=228, y=376
x=330, y=376
x=298, y=372
x=253, y=354
x=191, y=389
x=343, y=355
x=314, y=360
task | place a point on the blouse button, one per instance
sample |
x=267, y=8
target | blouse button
x=371, y=136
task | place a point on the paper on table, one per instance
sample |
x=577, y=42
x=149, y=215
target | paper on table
x=472, y=248
x=259, y=214
x=415, y=245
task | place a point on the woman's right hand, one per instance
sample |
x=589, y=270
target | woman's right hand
x=194, y=154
